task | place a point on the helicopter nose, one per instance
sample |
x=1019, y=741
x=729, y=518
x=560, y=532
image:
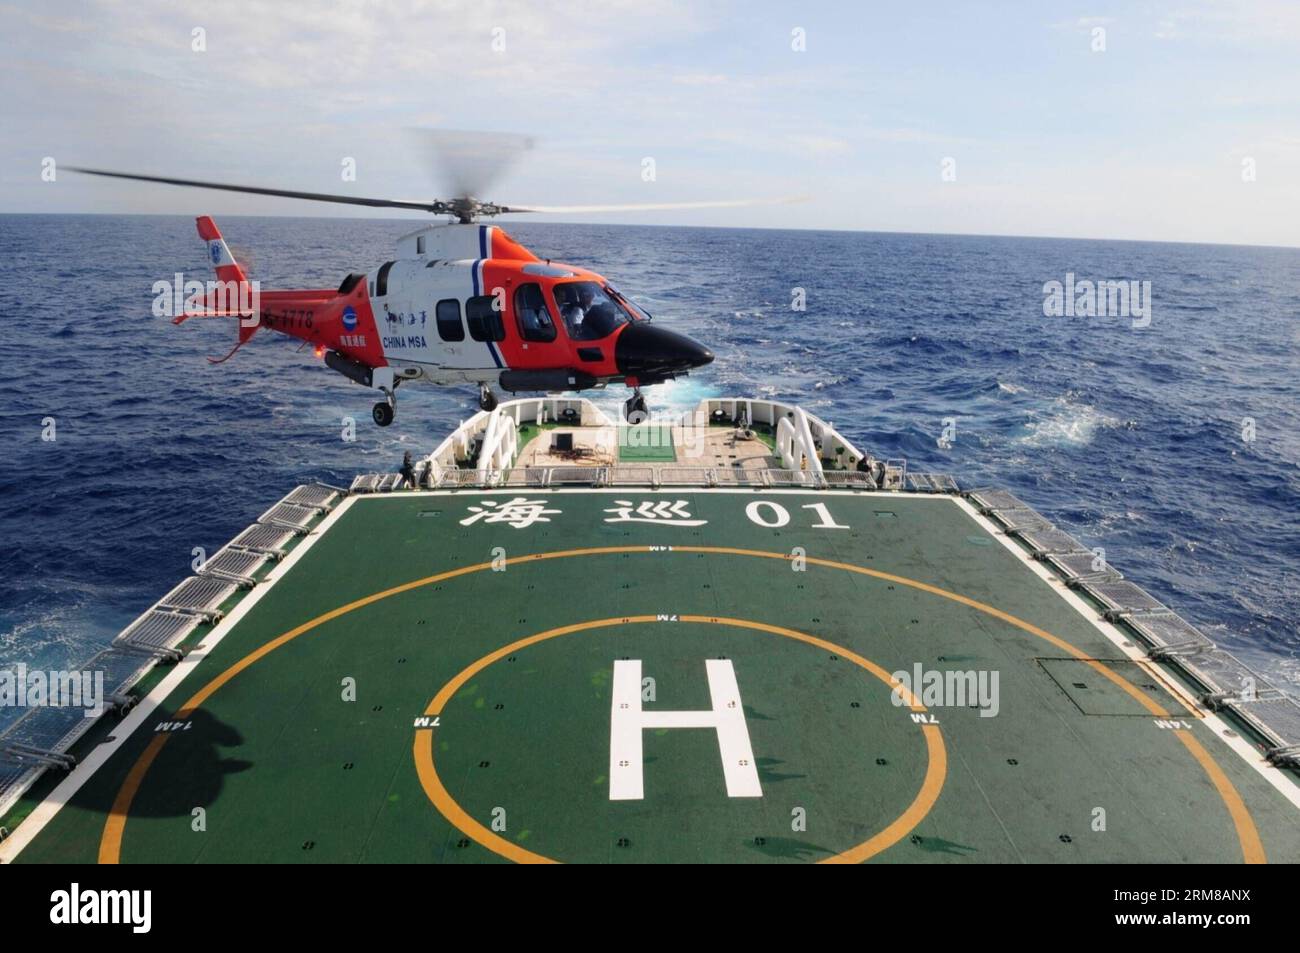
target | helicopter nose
x=643, y=350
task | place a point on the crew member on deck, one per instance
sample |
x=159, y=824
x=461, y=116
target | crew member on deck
x=408, y=471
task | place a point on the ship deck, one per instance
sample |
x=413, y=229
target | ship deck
x=636, y=675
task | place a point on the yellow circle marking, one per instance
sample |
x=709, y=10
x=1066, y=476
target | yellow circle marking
x=110, y=845
x=935, y=772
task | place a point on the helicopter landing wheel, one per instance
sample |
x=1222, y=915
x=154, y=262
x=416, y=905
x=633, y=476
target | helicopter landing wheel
x=383, y=413
x=486, y=399
x=635, y=409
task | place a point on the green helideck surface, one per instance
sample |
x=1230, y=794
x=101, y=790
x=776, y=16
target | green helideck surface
x=286, y=768
x=645, y=444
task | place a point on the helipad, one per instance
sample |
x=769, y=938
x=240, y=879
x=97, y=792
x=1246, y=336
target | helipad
x=631, y=675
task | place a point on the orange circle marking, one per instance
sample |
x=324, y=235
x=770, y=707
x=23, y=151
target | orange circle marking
x=935, y=772
x=110, y=844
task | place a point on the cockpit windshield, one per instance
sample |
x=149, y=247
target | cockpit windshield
x=634, y=308
x=589, y=312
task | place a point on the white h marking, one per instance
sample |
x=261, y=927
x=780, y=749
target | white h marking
x=727, y=718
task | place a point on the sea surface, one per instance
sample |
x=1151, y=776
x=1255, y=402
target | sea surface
x=1175, y=446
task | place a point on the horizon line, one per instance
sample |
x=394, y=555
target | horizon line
x=733, y=228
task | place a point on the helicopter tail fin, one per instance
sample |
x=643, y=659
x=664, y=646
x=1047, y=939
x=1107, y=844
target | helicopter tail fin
x=227, y=268
x=233, y=295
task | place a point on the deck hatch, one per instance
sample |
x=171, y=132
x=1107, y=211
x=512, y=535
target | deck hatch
x=1095, y=694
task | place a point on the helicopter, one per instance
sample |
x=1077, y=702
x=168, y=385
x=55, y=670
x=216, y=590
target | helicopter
x=460, y=303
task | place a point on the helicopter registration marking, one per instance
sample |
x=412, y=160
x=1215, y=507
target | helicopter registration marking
x=412, y=342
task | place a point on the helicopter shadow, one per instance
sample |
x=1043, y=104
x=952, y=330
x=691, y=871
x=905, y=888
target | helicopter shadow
x=189, y=772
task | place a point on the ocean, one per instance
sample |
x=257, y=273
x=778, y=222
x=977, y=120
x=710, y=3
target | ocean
x=1174, y=445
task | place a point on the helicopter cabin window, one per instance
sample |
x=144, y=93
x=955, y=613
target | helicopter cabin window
x=589, y=312
x=484, y=320
x=534, y=320
x=448, y=314
x=419, y=244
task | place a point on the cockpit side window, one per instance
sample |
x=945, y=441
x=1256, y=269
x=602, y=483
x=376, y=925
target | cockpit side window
x=589, y=312
x=535, y=323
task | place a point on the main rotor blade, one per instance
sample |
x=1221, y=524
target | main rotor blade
x=436, y=206
x=470, y=162
x=657, y=206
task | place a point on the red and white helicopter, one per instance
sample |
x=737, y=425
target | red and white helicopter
x=461, y=302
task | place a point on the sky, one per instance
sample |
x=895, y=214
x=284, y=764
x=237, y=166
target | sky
x=1172, y=121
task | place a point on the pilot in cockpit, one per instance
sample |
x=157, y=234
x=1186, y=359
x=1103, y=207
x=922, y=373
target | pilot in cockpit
x=571, y=310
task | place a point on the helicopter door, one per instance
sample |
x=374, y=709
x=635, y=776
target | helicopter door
x=485, y=325
x=536, y=326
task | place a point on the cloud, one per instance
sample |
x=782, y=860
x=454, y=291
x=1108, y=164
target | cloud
x=700, y=79
x=1232, y=21
x=713, y=92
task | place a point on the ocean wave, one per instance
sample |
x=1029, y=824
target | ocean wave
x=1065, y=423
